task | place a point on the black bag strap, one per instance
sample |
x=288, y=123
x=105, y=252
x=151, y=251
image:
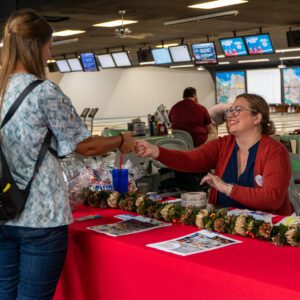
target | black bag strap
x=19, y=101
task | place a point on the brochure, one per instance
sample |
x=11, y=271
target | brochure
x=129, y=226
x=193, y=243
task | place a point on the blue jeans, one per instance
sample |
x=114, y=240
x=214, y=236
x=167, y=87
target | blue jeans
x=31, y=260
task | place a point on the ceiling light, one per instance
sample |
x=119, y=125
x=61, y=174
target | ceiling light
x=221, y=56
x=224, y=63
x=115, y=23
x=182, y=66
x=218, y=3
x=287, y=50
x=253, y=60
x=147, y=63
x=289, y=58
x=63, y=42
x=203, y=17
x=166, y=45
x=281, y=66
x=67, y=32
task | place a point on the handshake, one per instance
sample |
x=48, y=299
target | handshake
x=140, y=147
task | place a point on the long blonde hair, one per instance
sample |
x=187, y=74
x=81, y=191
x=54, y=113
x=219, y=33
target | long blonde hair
x=25, y=33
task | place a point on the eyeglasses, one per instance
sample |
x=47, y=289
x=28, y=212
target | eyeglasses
x=235, y=111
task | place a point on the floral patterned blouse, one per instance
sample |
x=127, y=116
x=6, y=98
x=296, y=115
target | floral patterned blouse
x=45, y=107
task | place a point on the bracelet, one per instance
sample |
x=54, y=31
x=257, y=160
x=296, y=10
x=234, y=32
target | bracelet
x=228, y=192
x=122, y=140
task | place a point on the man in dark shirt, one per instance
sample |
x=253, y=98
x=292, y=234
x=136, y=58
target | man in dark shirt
x=190, y=116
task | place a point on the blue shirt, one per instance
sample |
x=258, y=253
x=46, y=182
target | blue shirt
x=21, y=139
x=231, y=175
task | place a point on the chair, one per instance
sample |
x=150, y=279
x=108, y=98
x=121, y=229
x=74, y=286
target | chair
x=185, y=136
x=166, y=174
x=142, y=163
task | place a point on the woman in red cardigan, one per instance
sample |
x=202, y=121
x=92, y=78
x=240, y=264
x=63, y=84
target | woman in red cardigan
x=252, y=170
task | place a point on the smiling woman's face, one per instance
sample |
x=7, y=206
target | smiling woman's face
x=241, y=119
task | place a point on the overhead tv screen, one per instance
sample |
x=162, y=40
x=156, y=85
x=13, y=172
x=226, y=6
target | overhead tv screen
x=63, y=66
x=233, y=46
x=205, y=53
x=88, y=62
x=161, y=56
x=106, y=61
x=291, y=85
x=229, y=85
x=145, y=55
x=180, y=53
x=266, y=83
x=259, y=44
x=121, y=59
x=75, y=64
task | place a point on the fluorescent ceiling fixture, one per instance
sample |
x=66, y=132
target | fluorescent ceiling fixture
x=253, y=60
x=51, y=60
x=224, y=63
x=218, y=3
x=289, y=57
x=182, y=66
x=67, y=32
x=147, y=63
x=221, y=56
x=287, y=50
x=203, y=17
x=115, y=23
x=63, y=42
x=166, y=45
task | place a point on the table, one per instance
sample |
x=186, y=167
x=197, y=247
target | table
x=113, y=268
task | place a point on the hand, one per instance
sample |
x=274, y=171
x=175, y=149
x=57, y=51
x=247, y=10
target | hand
x=128, y=142
x=145, y=149
x=216, y=183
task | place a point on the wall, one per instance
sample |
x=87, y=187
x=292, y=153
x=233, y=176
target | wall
x=134, y=91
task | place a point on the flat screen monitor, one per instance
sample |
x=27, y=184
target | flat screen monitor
x=233, y=46
x=88, y=62
x=180, y=53
x=145, y=55
x=205, y=53
x=291, y=85
x=161, y=56
x=52, y=67
x=259, y=44
x=229, y=85
x=121, y=59
x=266, y=83
x=106, y=61
x=63, y=66
x=74, y=64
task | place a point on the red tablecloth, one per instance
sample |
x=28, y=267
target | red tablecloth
x=112, y=268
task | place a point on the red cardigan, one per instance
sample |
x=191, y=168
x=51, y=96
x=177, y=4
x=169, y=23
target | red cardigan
x=272, y=168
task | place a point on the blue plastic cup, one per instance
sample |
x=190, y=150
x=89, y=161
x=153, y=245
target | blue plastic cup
x=120, y=180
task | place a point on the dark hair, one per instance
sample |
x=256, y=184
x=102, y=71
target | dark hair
x=25, y=33
x=259, y=105
x=189, y=92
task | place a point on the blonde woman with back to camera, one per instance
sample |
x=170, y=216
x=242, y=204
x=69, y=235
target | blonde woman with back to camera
x=252, y=170
x=33, y=246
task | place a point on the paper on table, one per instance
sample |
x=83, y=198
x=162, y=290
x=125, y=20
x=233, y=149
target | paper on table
x=193, y=243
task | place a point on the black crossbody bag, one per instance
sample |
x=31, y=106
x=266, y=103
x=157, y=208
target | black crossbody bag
x=13, y=199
